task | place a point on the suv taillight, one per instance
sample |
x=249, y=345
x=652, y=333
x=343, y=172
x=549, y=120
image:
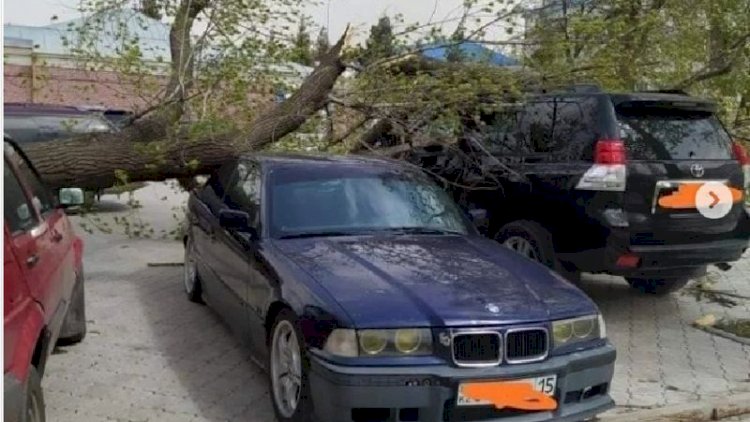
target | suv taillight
x=744, y=158
x=610, y=152
x=609, y=172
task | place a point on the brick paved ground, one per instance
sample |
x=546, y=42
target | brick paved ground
x=152, y=356
x=662, y=359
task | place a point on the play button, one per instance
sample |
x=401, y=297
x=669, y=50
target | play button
x=714, y=200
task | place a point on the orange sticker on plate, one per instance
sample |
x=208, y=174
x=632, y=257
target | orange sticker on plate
x=516, y=395
x=685, y=197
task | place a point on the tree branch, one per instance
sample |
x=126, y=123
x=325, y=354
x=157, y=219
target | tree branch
x=93, y=161
x=728, y=59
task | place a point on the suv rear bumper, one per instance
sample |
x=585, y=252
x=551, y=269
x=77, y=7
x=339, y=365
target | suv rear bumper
x=683, y=260
x=428, y=393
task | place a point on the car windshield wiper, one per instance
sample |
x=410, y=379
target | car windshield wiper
x=325, y=233
x=420, y=230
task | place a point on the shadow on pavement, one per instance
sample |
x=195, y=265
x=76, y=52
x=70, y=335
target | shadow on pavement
x=204, y=363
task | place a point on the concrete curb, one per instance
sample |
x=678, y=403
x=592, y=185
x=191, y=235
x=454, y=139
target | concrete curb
x=706, y=410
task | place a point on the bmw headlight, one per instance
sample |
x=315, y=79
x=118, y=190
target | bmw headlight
x=393, y=342
x=373, y=342
x=577, y=330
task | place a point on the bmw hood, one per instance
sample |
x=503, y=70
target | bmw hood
x=438, y=281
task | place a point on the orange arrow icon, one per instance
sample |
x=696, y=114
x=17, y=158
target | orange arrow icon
x=715, y=198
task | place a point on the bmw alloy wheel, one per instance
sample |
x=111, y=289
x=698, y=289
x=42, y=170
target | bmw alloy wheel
x=286, y=369
x=190, y=275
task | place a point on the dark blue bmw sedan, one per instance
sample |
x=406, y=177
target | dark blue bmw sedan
x=369, y=296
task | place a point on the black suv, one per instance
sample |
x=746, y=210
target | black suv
x=588, y=181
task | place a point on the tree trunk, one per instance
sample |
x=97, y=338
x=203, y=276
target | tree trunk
x=144, y=151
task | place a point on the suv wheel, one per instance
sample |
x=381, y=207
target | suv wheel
x=533, y=241
x=529, y=239
x=658, y=286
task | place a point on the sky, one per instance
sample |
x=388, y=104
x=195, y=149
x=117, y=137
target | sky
x=334, y=14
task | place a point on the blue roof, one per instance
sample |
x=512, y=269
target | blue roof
x=152, y=35
x=472, y=51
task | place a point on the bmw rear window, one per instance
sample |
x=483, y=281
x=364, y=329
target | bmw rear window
x=673, y=134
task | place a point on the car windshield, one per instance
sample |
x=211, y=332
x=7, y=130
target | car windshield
x=355, y=201
x=671, y=134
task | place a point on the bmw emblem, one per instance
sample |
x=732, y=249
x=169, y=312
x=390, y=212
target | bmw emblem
x=697, y=170
x=445, y=339
x=493, y=308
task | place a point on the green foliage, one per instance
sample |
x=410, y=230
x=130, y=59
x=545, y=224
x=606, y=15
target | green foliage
x=210, y=126
x=702, y=46
x=434, y=101
x=302, y=49
x=233, y=47
x=381, y=42
x=121, y=176
x=322, y=43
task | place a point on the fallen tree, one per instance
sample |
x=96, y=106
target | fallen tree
x=149, y=150
x=398, y=102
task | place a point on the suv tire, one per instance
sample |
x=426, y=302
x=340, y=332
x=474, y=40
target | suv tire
x=657, y=286
x=539, y=241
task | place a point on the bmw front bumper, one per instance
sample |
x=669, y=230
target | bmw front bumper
x=428, y=393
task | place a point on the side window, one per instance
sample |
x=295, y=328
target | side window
x=41, y=197
x=244, y=191
x=575, y=125
x=501, y=130
x=19, y=213
x=212, y=193
x=540, y=118
x=40, y=194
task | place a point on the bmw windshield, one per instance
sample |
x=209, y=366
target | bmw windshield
x=330, y=202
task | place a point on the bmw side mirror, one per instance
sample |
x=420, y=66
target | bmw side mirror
x=238, y=221
x=478, y=217
x=70, y=197
x=233, y=219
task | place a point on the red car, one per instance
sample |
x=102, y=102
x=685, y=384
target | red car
x=44, y=294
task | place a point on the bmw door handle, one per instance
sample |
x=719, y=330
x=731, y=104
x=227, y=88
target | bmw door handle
x=32, y=260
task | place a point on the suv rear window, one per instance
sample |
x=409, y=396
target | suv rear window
x=673, y=134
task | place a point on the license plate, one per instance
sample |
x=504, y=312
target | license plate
x=676, y=195
x=544, y=384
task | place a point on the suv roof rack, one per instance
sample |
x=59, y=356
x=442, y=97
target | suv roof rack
x=666, y=91
x=584, y=88
x=575, y=88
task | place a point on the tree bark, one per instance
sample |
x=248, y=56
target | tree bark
x=144, y=151
x=181, y=50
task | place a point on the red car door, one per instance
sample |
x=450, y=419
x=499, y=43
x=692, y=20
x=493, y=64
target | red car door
x=23, y=317
x=46, y=249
